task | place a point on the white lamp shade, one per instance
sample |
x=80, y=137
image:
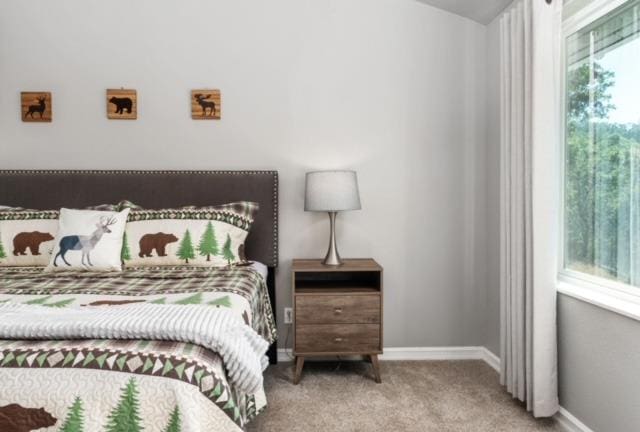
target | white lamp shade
x=331, y=191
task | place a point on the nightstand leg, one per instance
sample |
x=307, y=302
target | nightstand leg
x=298, y=372
x=376, y=367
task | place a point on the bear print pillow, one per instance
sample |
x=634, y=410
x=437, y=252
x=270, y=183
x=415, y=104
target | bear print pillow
x=88, y=240
x=26, y=236
x=208, y=236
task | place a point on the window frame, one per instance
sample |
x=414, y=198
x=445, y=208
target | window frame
x=599, y=291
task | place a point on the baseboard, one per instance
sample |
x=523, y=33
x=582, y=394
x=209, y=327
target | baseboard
x=570, y=423
x=565, y=419
x=432, y=353
x=491, y=359
x=421, y=353
x=284, y=355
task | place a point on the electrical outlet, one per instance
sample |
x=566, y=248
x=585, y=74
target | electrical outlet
x=288, y=315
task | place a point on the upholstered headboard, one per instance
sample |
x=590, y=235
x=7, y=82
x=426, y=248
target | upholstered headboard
x=157, y=189
x=45, y=190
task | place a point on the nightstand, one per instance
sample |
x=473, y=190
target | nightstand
x=337, y=311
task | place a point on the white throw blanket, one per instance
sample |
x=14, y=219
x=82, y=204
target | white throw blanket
x=217, y=329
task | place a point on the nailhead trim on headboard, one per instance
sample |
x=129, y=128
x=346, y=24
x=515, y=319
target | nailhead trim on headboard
x=142, y=172
x=275, y=217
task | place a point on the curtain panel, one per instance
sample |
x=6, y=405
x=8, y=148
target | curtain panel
x=530, y=42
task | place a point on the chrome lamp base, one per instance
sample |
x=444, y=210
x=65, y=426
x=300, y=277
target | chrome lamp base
x=332, y=258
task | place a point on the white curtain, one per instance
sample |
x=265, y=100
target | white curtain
x=530, y=34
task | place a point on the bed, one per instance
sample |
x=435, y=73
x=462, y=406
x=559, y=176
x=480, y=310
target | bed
x=124, y=373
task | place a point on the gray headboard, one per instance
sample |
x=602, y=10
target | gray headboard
x=153, y=189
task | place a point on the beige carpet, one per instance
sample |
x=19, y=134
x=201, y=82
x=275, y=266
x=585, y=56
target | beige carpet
x=441, y=396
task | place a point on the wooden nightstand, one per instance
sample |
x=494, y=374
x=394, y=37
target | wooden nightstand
x=337, y=310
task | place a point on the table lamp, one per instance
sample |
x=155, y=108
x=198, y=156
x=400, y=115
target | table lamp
x=332, y=191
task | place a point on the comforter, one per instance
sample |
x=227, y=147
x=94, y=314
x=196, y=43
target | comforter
x=133, y=373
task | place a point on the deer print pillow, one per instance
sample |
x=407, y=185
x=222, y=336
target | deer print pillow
x=26, y=236
x=89, y=240
x=209, y=236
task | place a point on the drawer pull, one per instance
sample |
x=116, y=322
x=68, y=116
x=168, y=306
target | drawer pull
x=338, y=339
x=338, y=310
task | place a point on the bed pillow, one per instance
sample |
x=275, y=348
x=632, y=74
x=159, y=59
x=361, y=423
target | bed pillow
x=26, y=236
x=124, y=204
x=205, y=236
x=89, y=240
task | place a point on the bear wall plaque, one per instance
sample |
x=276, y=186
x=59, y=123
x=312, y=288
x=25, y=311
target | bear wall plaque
x=122, y=104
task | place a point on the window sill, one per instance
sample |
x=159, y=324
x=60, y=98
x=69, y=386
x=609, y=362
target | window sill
x=606, y=298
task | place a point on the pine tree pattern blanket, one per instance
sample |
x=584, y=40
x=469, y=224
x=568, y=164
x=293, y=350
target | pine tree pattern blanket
x=132, y=384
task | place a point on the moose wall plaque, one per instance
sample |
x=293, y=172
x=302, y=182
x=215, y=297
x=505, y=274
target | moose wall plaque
x=205, y=105
x=36, y=106
x=122, y=104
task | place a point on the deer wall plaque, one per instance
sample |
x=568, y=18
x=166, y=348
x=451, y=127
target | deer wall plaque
x=36, y=106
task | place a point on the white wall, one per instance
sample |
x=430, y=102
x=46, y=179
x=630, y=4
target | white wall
x=599, y=354
x=391, y=88
x=492, y=338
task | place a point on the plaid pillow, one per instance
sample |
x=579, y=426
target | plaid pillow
x=122, y=205
x=126, y=204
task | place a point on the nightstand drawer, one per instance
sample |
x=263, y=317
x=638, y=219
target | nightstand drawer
x=336, y=338
x=338, y=309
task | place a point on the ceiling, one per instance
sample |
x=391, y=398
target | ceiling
x=482, y=11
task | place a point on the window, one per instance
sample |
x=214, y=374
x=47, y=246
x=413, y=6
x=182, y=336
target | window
x=602, y=148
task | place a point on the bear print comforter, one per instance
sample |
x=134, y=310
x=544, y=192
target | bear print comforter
x=128, y=383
